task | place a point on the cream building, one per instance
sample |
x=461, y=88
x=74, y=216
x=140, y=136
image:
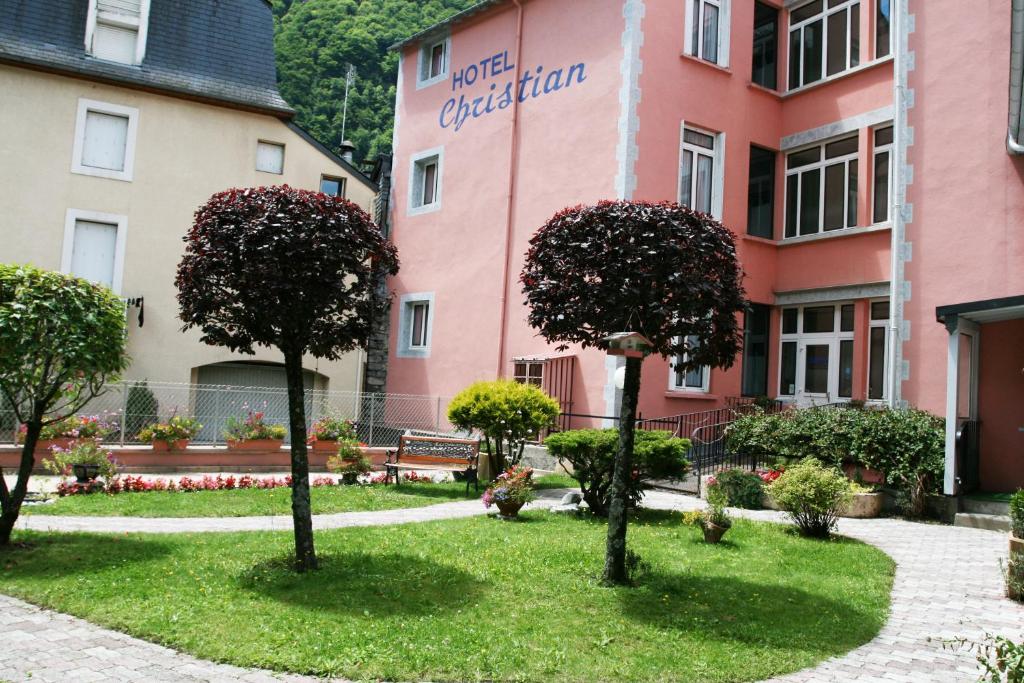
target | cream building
x=119, y=118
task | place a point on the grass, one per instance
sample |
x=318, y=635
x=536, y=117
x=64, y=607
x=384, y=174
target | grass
x=249, y=502
x=474, y=599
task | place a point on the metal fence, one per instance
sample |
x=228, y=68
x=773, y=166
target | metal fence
x=128, y=407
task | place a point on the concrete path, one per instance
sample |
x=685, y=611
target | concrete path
x=947, y=585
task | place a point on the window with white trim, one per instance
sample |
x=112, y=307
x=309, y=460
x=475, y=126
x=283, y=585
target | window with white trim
x=821, y=188
x=116, y=30
x=700, y=170
x=816, y=352
x=528, y=371
x=104, y=142
x=415, y=325
x=707, y=30
x=420, y=315
x=94, y=247
x=425, y=181
x=882, y=180
x=434, y=59
x=883, y=31
x=332, y=185
x=697, y=379
x=824, y=40
x=878, y=356
x=270, y=157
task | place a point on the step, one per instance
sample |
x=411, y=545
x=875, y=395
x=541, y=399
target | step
x=985, y=507
x=977, y=520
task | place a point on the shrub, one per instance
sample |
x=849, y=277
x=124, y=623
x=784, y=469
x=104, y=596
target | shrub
x=141, y=411
x=741, y=489
x=178, y=428
x=715, y=513
x=507, y=413
x=1017, y=513
x=251, y=428
x=81, y=453
x=1001, y=659
x=813, y=495
x=349, y=467
x=591, y=452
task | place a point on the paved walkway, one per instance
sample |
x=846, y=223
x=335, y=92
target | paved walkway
x=947, y=584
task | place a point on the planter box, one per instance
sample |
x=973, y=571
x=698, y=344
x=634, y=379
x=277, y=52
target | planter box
x=1016, y=545
x=256, y=445
x=864, y=506
x=160, y=446
x=324, y=446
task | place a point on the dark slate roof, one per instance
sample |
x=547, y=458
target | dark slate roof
x=221, y=50
x=470, y=11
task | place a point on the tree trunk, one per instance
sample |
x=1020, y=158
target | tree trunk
x=615, y=553
x=302, y=515
x=12, y=500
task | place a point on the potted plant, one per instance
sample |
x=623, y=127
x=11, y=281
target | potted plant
x=328, y=432
x=350, y=468
x=715, y=521
x=253, y=433
x=86, y=460
x=71, y=429
x=510, y=491
x=1015, y=567
x=866, y=502
x=172, y=435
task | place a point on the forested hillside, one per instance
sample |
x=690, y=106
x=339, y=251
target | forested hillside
x=317, y=39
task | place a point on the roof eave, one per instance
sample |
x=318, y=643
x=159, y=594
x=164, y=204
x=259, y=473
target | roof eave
x=465, y=14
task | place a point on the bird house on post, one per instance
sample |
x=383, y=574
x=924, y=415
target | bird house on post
x=628, y=344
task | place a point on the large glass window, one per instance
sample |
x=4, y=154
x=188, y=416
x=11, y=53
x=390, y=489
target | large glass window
x=761, y=193
x=766, y=46
x=821, y=188
x=696, y=379
x=755, y=350
x=883, y=34
x=708, y=27
x=697, y=170
x=816, y=364
x=882, y=175
x=824, y=40
x=877, y=350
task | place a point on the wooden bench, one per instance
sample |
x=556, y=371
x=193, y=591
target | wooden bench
x=435, y=454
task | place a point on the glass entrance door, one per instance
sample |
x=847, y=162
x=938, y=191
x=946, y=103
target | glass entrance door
x=817, y=373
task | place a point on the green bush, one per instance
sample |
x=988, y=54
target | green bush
x=141, y=411
x=813, y=495
x=507, y=413
x=591, y=452
x=1017, y=513
x=742, y=489
x=906, y=445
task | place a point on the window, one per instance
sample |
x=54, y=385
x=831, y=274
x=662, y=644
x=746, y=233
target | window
x=761, y=193
x=883, y=34
x=332, y=186
x=94, y=247
x=882, y=175
x=433, y=62
x=104, y=143
x=270, y=157
x=116, y=30
x=700, y=171
x=816, y=363
x=877, y=350
x=755, y=350
x=707, y=35
x=764, y=70
x=425, y=181
x=821, y=188
x=697, y=379
x=824, y=40
x=529, y=372
x=415, y=325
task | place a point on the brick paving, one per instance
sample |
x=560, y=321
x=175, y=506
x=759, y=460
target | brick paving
x=947, y=584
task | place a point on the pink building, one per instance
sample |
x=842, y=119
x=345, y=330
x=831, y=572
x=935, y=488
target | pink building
x=800, y=125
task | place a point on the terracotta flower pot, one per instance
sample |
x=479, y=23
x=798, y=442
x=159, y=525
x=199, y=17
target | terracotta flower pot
x=160, y=446
x=255, y=445
x=325, y=446
x=509, y=510
x=712, y=532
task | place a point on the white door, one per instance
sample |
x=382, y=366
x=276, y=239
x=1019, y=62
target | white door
x=817, y=375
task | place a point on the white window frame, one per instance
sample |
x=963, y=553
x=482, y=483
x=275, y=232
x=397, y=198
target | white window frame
x=342, y=184
x=273, y=143
x=416, y=164
x=673, y=374
x=820, y=165
x=528, y=378
x=834, y=338
x=84, y=107
x=142, y=29
x=852, y=60
x=717, y=168
x=875, y=151
x=423, y=78
x=72, y=217
x=873, y=324
x=406, y=302
x=724, y=23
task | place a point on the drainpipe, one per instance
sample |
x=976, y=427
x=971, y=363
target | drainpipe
x=1013, y=144
x=513, y=162
x=895, y=351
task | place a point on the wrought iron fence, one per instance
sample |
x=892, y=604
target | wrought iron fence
x=130, y=406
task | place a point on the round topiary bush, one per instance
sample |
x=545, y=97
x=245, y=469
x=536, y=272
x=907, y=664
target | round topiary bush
x=813, y=495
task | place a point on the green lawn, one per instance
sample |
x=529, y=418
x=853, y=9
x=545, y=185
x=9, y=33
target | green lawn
x=249, y=502
x=474, y=599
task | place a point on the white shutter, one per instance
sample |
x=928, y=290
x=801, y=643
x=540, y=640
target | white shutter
x=105, y=140
x=92, y=254
x=115, y=43
x=269, y=157
x=131, y=8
